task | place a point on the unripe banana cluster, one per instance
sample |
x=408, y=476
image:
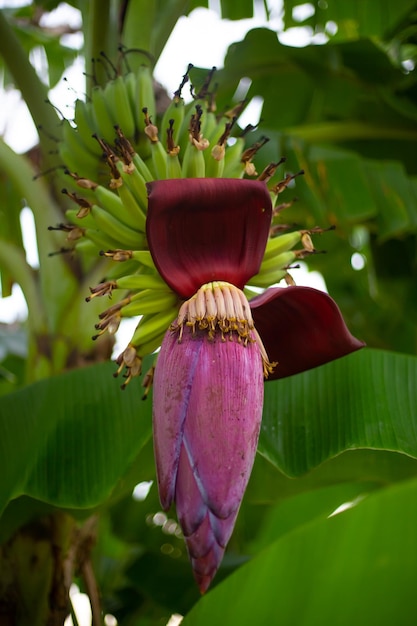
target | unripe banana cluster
x=118, y=137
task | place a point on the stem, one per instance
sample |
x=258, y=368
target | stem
x=165, y=24
x=73, y=614
x=13, y=259
x=92, y=591
x=101, y=35
x=138, y=27
x=56, y=281
x=34, y=92
x=148, y=28
x=85, y=541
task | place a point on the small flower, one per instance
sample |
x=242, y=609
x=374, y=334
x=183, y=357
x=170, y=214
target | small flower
x=130, y=360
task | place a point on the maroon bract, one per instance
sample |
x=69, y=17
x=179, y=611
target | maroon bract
x=301, y=328
x=205, y=229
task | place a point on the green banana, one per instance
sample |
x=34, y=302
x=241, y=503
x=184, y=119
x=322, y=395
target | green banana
x=102, y=239
x=87, y=221
x=69, y=159
x=173, y=117
x=153, y=325
x=145, y=97
x=149, y=301
x=148, y=347
x=215, y=158
x=143, y=169
x=274, y=270
x=102, y=115
x=278, y=261
x=144, y=257
x=282, y=243
x=233, y=167
x=109, y=200
x=131, y=87
x=73, y=151
x=174, y=169
x=136, y=183
x=131, y=206
x=193, y=164
x=183, y=138
x=210, y=127
x=215, y=162
x=159, y=159
x=123, y=109
x=119, y=232
x=268, y=279
x=117, y=270
x=84, y=120
x=142, y=281
x=86, y=247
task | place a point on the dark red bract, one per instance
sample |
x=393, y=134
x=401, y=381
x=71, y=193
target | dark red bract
x=205, y=229
x=301, y=328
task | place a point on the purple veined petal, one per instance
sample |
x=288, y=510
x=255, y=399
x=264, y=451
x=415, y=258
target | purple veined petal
x=301, y=328
x=173, y=381
x=208, y=400
x=205, y=229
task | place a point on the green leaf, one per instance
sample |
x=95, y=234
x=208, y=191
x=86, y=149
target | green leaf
x=10, y=208
x=236, y=9
x=306, y=85
x=305, y=507
x=343, y=183
x=365, y=400
x=396, y=197
x=356, y=567
x=68, y=440
x=355, y=19
x=379, y=468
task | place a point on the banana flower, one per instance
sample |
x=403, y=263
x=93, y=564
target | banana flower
x=207, y=238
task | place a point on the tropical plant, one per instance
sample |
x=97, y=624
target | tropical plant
x=340, y=438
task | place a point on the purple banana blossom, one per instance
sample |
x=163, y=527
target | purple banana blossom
x=207, y=238
x=206, y=427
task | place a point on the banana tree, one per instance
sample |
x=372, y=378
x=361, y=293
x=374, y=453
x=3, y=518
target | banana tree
x=175, y=212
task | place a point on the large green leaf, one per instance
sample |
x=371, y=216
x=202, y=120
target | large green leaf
x=342, y=183
x=68, y=440
x=356, y=567
x=396, y=197
x=365, y=400
x=304, y=86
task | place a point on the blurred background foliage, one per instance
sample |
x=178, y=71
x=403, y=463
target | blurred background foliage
x=343, y=108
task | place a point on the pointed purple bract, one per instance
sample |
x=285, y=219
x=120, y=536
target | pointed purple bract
x=208, y=398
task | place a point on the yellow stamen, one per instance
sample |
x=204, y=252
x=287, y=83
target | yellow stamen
x=220, y=307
